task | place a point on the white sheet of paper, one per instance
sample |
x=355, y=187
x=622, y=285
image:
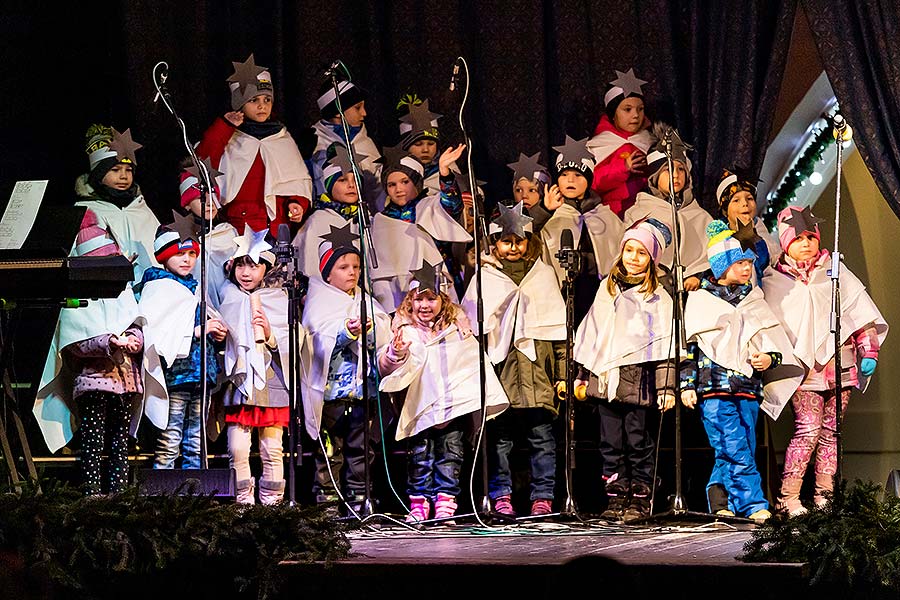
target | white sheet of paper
x=21, y=211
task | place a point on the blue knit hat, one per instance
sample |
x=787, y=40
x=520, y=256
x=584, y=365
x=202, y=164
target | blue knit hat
x=723, y=249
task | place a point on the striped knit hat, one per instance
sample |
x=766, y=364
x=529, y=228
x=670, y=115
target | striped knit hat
x=722, y=249
x=168, y=243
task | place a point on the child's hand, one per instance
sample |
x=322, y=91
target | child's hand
x=691, y=283
x=760, y=361
x=689, y=398
x=449, y=157
x=235, y=117
x=117, y=342
x=354, y=326
x=636, y=163
x=399, y=346
x=260, y=320
x=216, y=329
x=553, y=198
x=295, y=212
x=133, y=344
x=665, y=400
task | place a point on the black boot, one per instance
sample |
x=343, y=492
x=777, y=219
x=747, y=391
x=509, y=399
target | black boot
x=617, y=498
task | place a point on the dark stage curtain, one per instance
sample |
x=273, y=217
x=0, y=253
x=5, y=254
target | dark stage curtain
x=859, y=44
x=538, y=72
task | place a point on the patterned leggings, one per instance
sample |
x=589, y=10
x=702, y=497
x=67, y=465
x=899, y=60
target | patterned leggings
x=104, y=416
x=814, y=428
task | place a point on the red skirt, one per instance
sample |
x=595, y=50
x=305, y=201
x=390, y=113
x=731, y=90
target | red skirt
x=258, y=416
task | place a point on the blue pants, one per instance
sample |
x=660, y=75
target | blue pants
x=730, y=423
x=537, y=426
x=182, y=433
x=434, y=460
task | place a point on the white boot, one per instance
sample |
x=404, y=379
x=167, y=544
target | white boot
x=245, y=491
x=271, y=492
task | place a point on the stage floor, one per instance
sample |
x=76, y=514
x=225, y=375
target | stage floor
x=550, y=559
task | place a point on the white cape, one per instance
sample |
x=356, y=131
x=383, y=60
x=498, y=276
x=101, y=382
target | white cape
x=517, y=315
x=693, y=220
x=53, y=407
x=307, y=240
x=729, y=334
x=219, y=248
x=805, y=312
x=628, y=329
x=606, y=142
x=402, y=247
x=442, y=377
x=603, y=226
x=326, y=310
x=246, y=362
x=286, y=173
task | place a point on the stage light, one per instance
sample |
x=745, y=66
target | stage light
x=815, y=178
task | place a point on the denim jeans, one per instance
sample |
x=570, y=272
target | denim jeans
x=182, y=433
x=434, y=460
x=537, y=426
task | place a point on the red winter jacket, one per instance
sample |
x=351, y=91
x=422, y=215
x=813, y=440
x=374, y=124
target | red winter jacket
x=613, y=182
x=248, y=205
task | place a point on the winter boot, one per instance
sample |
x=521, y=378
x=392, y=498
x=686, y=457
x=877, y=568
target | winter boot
x=824, y=489
x=789, y=499
x=328, y=502
x=639, y=504
x=717, y=497
x=541, y=507
x=271, y=492
x=617, y=497
x=503, y=505
x=419, y=509
x=760, y=516
x=444, y=507
x=245, y=491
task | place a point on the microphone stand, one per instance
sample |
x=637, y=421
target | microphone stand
x=286, y=255
x=840, y=127
x=205, y=185
x=478, y=234
x=570, y=260
x=367, y=252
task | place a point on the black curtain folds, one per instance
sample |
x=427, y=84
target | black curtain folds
x=538, y=72
x=859, y=44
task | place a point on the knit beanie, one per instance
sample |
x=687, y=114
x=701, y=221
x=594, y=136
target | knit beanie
x=168, y=243
x=419, y=123
x=730, y=184
x=408, y=165
x=329, y=255
x=654, y=235
x=794, y=221
x=248, y=81
x=574, y=155
x=350, y=95
x=625, y=85
x=106, y=148
x=722, y=249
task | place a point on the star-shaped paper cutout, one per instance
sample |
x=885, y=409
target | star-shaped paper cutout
x=391, y=155
x=803, y=220
x=428, y=276
x=420, y=117
x=245, y=73
x=746, y=235
x=185, y=225
x=526, y=166
x=574, y=150
x=629, y=83
x=512, y=221
x=341, y=158
x=213, y=172
x=251, y=244
x=341, y=237
x=124, y=146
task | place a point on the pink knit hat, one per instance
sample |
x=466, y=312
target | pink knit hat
x=793, y=221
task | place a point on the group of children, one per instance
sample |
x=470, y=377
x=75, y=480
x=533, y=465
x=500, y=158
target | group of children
x=754, y=311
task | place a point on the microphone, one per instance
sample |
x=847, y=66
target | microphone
x=568, y=256
x=284, y=250
x=160, y=80
x=332, y=70
x=841, y=131
x=455, y=76
x=566, y=241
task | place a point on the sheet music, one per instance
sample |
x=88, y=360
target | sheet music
x=21, y=211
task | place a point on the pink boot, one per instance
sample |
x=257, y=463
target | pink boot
x=444, y=507
x=419, y=509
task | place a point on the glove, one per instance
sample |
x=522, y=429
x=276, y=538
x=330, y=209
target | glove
x=580, y=390
x=867, y=366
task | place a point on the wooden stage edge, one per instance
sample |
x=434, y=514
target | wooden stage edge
x=547, y=559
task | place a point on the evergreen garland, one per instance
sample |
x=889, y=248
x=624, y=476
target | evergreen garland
x=851, y=544
x=799, y=172
x=134, y=546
